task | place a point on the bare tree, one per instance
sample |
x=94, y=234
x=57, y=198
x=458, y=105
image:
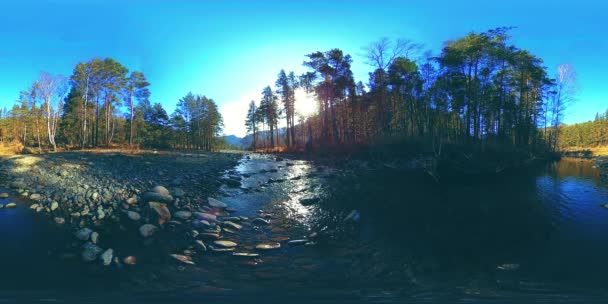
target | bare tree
x=51, y=89
x=566, y=88
x=382, y=53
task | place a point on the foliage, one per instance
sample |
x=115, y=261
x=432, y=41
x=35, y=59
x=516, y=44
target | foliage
x=587, y=134
x=92, y=115
x=479, y=89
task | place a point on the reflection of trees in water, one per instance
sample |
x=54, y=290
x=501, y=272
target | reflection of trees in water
x=480, y=222
x=575, y=167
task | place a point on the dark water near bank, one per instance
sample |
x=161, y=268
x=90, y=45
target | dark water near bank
x=540, y=233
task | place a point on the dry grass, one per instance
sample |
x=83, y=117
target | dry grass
x=10, y=148
x=272, y=150
x=595, y=151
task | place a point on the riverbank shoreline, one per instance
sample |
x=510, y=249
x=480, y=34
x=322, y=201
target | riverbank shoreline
x=106, y=212
x=449, y=163
x=599, y=156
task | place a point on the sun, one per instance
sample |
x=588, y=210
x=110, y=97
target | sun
x=306, y=104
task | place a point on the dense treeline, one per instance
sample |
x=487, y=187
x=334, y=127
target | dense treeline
x=102, y=104
x=479, y=89
x=587, y=134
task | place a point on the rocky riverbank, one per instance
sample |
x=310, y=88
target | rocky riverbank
x=108, y=200
x=600, y=161
x=203, y=222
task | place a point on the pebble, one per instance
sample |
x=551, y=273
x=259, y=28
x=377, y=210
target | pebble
x=177, y=192
x=84, y=234
x=100, y=213
x=130, y=260
x=184, y=215
x=147, y=230
x=245, y=254
x=216, y=203
x=54, y=205
x=90, y=252
x=200, y=245
x=205, y=216
x=260, y=221
x=161, y=210
x=133, y=215
x=94, y=237
x=35, y=197
x=297, y=242
x=59, y=220
x=233, y=225
x=226, y=244
x=222, y=249
x=210, y=235
x=161, y=190
x=508, y=267
x=132, y=200
x=268, y=246
x=3, y=195
x=106, y=257
x=157, y=197
x=10, y=205
x=182, y=258
x=17, y=185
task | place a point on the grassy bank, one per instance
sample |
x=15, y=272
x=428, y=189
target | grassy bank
x=586, y=152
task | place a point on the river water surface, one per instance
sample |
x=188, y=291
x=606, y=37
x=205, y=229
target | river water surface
x=539, y=233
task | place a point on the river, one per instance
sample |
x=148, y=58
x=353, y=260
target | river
x=538, y=233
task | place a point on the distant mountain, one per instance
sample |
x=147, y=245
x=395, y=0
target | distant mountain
x=247, y=141
x=235, y=141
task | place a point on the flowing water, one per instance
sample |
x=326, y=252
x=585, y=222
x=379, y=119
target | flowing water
x=538, y=233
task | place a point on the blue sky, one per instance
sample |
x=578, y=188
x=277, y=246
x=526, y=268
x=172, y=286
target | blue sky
x=230, y=50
